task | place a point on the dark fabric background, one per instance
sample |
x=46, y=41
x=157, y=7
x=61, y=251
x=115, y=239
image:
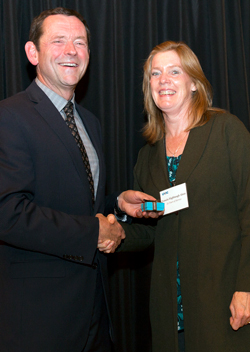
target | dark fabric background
x=123, y=34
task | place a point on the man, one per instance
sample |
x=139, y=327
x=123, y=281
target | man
x=52, y=277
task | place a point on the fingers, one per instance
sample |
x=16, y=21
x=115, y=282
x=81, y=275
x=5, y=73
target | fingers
x=233, y=315
x=106, y=246
x=111, y=248
x=148, y=214
x=111, y=218
x=235, y=319
x=103, y=244
x=235, y=323
x=240, y=310
x=238, y=322
x=152, y=214
x=109, y=230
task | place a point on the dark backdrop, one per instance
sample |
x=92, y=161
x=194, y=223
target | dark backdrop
x=123, y=34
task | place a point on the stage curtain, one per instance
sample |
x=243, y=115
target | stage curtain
x=123, y=34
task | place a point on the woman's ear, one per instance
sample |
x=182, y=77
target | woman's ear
x=193, y=87
x=31, y=52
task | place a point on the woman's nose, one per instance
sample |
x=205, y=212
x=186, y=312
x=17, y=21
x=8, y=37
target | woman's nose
x=164, y=78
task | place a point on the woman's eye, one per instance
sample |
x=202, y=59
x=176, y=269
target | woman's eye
x=155, y=73
x=175, y=72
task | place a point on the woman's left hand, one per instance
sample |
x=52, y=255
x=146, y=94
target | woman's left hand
x=240, y=310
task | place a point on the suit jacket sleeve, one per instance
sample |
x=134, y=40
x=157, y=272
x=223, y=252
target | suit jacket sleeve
x=140, y=233
x=238, y=140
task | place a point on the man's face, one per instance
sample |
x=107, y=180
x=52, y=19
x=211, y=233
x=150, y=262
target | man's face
x=63, y=54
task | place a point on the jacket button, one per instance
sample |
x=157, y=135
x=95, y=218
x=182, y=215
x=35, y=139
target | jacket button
x=80, y=258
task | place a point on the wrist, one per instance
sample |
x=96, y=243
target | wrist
x=117, y=209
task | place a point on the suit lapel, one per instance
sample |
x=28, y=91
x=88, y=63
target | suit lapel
x=193, y=151
x=158, y=166
x=53, y=118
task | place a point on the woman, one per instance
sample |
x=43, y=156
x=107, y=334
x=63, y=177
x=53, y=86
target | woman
x=208, y=242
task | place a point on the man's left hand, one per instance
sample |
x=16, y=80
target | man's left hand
x=240, y=310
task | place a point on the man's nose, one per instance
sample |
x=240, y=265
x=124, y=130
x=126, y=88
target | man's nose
x=70, y=48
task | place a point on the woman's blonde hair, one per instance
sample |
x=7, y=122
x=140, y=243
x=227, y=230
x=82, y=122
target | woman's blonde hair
x=201, y=103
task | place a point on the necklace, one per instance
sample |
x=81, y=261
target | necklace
x=173, y=154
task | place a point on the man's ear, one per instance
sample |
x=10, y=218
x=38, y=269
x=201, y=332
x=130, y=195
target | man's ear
x=31, y=52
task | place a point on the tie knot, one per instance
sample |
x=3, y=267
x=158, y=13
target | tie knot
x=68, y=108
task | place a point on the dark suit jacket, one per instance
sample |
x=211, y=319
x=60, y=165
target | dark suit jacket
x=48, y=230
x=211, y=237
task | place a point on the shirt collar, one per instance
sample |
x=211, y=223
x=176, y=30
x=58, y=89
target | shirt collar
x=55, y=98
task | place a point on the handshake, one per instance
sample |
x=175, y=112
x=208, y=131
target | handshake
x=110, y=231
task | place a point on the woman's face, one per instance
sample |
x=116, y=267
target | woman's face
x=171, y=87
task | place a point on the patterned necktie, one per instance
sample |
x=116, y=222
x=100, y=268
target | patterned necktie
x=70, y=121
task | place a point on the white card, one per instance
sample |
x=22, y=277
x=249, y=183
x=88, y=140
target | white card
x=175, y=198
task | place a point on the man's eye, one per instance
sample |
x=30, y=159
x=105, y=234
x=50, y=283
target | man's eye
x=81, y=43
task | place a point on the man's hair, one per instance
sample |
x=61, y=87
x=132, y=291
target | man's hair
x=200, y=109
x=36, y=28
